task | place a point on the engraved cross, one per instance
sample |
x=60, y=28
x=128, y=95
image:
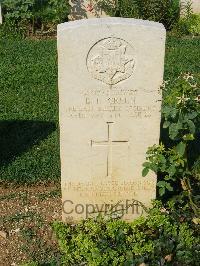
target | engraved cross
x=109, y=143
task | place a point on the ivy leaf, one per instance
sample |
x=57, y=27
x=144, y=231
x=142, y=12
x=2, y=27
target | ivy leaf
x=188, y=137
x=191, y=115
x=169, y=187
x=171, y=170
x=162, y=159
x=162, y=191
x=180, y=148
x=174, y=130
x=191, y=126
x=169, y=111
x=173, y=112
x=163, y=185
x=166, y=124
x=166, y=110
x=145, y=172
x=146, y=164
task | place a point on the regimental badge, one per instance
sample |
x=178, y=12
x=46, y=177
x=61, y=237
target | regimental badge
x=111, y=60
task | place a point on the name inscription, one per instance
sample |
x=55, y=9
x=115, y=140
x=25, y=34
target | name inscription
x=111, y=103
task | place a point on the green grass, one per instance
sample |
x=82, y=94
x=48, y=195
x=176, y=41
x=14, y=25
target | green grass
x=182, y=55
x=29, y=143
x=29, y=139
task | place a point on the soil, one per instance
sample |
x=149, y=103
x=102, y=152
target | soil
x=25, y=224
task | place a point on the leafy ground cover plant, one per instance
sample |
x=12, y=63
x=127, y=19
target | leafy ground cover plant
x=174, y=161
x=158, y=239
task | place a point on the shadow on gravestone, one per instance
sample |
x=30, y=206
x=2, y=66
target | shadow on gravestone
x=16, y=137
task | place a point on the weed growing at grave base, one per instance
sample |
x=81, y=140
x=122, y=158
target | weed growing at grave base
x=158, y=239
x=174, y=162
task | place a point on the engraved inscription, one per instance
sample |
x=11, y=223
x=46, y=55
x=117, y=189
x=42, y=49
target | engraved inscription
x=104, y=188
x=109, y=143
x=111, y=60
x=108, y=104
x=110, y=111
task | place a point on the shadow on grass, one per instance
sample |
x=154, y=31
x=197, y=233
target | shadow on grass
x=16, y=137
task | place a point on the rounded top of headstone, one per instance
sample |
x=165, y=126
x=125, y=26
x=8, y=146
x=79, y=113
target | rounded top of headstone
x=111, y=20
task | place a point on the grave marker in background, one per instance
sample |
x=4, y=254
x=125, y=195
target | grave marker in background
x=110, y=72
x=195, y=5
x=83, y=9
x=0, y=15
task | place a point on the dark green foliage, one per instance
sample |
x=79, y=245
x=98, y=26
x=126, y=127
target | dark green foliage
x=175, y=160
x=164, y=11
x=28, y=111
x=28, y=16
x=161, y=238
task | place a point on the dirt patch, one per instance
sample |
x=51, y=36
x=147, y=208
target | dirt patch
x=25, y=224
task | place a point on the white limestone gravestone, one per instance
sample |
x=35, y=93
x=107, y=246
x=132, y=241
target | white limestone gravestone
x=110, y=72
x=195, y=5
x=0, y=14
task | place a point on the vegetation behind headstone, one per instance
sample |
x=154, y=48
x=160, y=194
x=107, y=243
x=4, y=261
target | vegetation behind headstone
x=29, y=17
x=163, y=11
x=189, y=23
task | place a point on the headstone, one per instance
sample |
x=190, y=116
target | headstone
x=83, y=9
x=110, y=72
x=0, y=15
x=195, y=4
